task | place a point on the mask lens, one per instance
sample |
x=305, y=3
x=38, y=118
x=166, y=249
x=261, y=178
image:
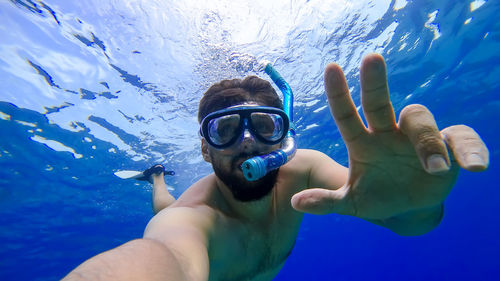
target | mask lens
x=221, y=130
x=268, y=125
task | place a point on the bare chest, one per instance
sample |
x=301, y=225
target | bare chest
x=251, y=252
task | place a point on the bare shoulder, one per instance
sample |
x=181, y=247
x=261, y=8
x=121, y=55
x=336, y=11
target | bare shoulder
x=185, y=232
x=316, y=168
x=191, y=213
x=310, y=155
x=306, y=159
x=180, y=219
x=294, y=176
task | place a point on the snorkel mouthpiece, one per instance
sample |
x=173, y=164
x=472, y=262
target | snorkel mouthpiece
x=258, y=166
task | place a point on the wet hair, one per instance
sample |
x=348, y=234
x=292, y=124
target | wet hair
x=227, y=93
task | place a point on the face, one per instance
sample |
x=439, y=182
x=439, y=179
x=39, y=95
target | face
x=227, y=166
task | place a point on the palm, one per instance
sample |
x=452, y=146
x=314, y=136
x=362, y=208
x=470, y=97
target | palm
x=386, y=177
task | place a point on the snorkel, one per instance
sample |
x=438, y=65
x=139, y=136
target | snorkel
x=258, y=166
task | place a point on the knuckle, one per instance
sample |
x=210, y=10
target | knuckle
x=462, y=136
x=376, y=89
x=342, y=116
x=416, y=118
x=427, y=138
x=469, y=144
x=471, y=141
x=383, y=106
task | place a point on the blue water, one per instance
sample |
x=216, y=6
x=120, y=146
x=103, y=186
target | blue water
x=91, y=87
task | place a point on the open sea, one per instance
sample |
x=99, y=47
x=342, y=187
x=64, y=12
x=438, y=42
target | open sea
x=91, y=87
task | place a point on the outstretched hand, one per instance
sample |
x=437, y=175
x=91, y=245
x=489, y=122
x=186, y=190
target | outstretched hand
x=393, y=168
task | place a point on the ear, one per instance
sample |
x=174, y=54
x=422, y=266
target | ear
x=204, y=151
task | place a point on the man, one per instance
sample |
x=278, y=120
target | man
x=226, y=228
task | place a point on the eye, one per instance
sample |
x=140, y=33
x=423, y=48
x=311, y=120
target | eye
x=223, y=129
x=268, y=125
x=226, y=128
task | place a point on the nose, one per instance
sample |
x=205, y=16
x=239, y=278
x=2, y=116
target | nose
x=248, y=140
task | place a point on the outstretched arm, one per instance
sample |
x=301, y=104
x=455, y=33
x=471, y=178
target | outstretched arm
x=141, y=259
x=174, y=248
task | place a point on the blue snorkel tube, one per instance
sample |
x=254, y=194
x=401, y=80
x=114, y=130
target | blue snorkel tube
x=258, y=166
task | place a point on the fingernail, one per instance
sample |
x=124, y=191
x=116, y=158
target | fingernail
x=436, y=163
x=474, y=160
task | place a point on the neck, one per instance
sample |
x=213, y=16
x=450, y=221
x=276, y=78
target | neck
x=253, y=211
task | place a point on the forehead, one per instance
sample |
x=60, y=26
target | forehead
x=249, y=103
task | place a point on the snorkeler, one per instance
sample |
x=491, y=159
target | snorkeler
x=225, y=227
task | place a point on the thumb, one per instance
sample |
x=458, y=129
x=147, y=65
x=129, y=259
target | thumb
x=320, y=201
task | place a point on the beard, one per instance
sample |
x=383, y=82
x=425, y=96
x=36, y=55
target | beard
x=242, y=189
